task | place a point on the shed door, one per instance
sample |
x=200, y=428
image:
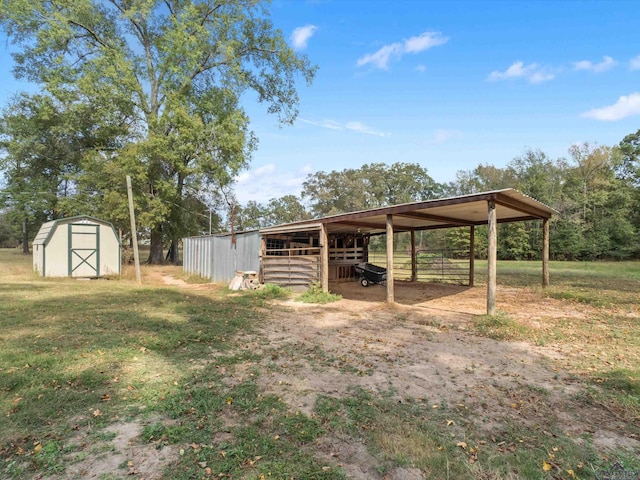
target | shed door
x=84, y=255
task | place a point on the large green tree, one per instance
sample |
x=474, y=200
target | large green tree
x=629, y=173
x=370, y=186
x=43, y=141
x=177, y=69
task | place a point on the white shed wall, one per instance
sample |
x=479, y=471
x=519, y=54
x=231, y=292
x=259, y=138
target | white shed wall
x=56, y=252
x=38, y=257
x=109, y=251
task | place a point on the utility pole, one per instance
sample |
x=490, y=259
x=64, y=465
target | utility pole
x=134, y=235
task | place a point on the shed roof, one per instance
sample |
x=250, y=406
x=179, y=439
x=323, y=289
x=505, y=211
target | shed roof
x=464, y=210
x=47, y=228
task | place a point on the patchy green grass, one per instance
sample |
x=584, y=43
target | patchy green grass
x=269, y=291
x=442, y=442
x=315, y=294
x=500, y=327
x=602, y=284
x=85, y=355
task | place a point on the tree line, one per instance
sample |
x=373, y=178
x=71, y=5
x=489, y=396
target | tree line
x=149, y=89
x=595, y=190
x=153, y=90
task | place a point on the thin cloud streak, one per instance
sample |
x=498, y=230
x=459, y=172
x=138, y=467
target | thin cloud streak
x=354, y=126
x=533, y=73
x=395, y=51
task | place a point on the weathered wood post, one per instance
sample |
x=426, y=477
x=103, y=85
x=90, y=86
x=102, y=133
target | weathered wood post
x=545, y=253
x=414, y=257
x=390, y=293
x=492, y=257
x=324, y=257
x=472, y=254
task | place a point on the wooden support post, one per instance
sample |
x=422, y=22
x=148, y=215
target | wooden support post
x=492, y=259
x=545, y=253
x=390, y=293
x=472, y=254
x=414, y=257
x=324, y=257
x=134, y=234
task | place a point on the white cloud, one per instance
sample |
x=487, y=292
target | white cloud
x=382, y=57
x=301, y=35
x=533, y=73
x=424, y=41
x=245, y=177
x=634, y=63
x=394, y=51
x=607, y=63
x=352, y=125
x=421, y=68
x=626, y=106
x=267, y=182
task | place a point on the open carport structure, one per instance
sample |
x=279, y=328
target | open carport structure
x=312, y=249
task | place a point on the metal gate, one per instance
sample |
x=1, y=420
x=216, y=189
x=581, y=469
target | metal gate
x=84, y=252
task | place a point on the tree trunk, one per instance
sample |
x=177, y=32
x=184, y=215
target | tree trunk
x=25, y=237
x=155, y=254
x=175, y=252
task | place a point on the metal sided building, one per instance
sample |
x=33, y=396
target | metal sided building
x=80, y=247
x=218, y=257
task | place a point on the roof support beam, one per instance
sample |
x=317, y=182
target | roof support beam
x=371, y=225
x=520, y=206
x=437, y=218
x=375, y=226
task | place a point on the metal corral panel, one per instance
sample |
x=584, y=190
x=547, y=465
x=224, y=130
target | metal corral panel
x=217, y=258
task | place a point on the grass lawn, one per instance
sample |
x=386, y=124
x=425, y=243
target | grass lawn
x=78, y=358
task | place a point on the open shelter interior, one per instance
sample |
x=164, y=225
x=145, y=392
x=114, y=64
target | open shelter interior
x=330, y=248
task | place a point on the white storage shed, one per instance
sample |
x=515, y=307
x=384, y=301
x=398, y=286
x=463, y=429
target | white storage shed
x=80, y=246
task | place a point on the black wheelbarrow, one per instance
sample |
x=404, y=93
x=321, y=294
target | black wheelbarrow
x=370, y=273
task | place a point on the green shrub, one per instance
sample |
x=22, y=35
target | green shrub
x=315, y=294
x=270, y=291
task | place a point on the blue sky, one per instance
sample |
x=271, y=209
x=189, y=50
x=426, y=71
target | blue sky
x=448, y=85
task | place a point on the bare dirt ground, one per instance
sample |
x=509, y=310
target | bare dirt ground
x=420, y=349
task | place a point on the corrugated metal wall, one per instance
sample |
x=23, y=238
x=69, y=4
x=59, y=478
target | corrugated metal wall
x=215, y=257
